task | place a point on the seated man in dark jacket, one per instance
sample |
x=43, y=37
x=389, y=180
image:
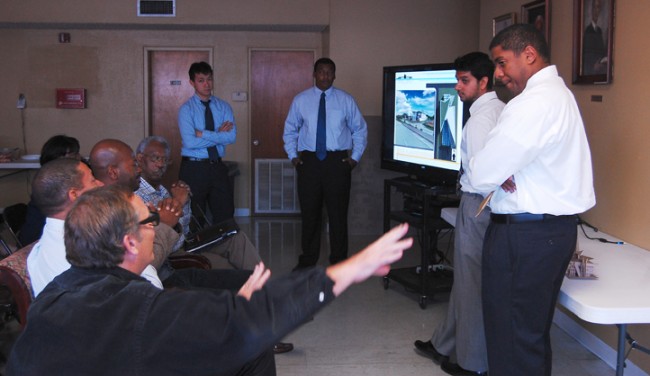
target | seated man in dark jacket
x=101, y=317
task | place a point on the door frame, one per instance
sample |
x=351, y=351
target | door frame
x=146, y=92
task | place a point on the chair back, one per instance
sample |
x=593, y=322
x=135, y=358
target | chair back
x=14, y=217
x=14, y=276
x=189, y=260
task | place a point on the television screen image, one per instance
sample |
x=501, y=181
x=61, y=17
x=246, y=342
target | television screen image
x=423, y=119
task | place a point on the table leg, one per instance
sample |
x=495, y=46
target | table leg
x=620, y=355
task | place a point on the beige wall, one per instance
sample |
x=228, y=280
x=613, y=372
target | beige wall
x=106, y=57
x=109, y=64
x=618, y=128
x=208, y=12
x=362, y=36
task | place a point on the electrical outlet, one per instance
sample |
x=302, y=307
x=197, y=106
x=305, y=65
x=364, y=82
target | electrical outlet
x=21, y=101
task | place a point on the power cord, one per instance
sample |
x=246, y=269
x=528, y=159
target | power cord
x=583, y=223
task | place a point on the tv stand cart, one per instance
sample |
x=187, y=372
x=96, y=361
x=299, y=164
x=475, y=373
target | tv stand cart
x=421, y=209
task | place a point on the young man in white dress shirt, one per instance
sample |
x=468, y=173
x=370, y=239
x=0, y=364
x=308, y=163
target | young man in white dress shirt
x=458, y=342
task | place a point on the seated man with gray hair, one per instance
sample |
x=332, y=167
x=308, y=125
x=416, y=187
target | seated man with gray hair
x=153, y=156
x=109, y=235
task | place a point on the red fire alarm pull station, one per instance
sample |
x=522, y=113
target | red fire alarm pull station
x=70, y=98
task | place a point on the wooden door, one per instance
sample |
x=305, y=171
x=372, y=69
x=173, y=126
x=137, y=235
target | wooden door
x=276, y=77
x=169, y=88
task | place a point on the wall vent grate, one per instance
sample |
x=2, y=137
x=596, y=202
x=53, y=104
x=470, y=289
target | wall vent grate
x=156, y=8
x=276, y=187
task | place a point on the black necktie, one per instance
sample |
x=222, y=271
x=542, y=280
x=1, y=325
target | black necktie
x=213, y=154
x=321, y=141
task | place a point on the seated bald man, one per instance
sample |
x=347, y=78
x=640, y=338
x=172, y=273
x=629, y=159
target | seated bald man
x=109, y=236
x=113, y=163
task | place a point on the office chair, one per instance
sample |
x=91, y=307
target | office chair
x=14, y=217
x=15, y=278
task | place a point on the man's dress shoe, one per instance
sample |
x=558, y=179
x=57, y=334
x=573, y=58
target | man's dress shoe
x=456, y=370
x=281, y=347
x=427, y=349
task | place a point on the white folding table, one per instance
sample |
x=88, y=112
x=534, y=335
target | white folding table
x=620, y=294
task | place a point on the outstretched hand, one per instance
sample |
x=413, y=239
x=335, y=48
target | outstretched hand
x=255, y=282
x=375, y=259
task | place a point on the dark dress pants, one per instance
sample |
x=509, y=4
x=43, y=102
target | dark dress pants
x=523, y=268
x=219, y=279
x=210, y=185
x=214, y=279
x=325, y=181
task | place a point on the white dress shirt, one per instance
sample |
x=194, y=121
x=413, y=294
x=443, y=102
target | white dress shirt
x=484, y=113
x=541, y=140
x=47, y=258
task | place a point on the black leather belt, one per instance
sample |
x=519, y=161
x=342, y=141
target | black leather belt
x=341, y=152
x=523, y=218
x=206, y=160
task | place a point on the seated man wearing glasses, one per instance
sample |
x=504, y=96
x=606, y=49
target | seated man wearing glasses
x=113, y=163
x=152, y=155
x=144, y=330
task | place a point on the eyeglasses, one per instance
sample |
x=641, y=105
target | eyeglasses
x=158, y=159
x=153, y=218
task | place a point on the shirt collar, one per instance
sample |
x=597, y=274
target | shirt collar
x=146, y=188
x=490, y=95
x=327, y=92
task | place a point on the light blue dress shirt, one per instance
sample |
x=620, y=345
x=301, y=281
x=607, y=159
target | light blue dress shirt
x=191, y=117
x=346, y=128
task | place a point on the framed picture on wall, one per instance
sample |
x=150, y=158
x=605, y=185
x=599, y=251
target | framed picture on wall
x=538, y=13
x=501, y=22
x=593, y=28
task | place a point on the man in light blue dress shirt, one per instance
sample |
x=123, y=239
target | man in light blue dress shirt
x=324, y=175
x=204, y=145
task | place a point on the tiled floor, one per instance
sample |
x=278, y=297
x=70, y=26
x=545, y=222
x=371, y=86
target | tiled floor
x=368, y=330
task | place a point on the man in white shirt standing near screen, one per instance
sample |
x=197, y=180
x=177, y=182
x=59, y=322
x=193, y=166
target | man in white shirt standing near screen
x=458, y=342
x=540, y=147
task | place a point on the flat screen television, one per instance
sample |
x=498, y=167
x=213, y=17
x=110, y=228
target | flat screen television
x=423, y=119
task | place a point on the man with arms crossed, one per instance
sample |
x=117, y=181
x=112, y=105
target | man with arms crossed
x=324, y=137
x=458, y=343
x=539, y=147
x=109, y=240
x=207, y=125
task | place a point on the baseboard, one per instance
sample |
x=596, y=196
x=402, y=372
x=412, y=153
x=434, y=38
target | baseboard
x=594, y=344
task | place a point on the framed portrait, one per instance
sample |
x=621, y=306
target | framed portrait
x=593, y=30
x=501, y=22
x=538, y=13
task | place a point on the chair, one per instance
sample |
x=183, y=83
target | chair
x=15, y=278
x=189, y=260
x=14, y=217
